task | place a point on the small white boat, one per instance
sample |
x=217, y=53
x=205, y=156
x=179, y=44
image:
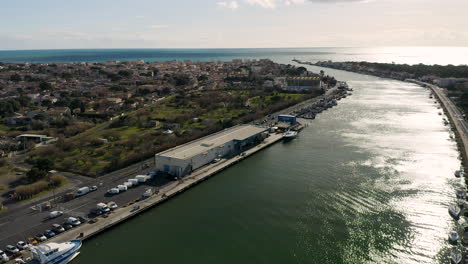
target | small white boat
x=290, y=135
x=55, y=253
x=453, y=237
x=456, y=256
x=454, y=211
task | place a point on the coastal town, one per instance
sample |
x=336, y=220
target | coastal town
x=71, y=134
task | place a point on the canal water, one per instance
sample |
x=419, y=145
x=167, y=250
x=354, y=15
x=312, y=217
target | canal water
x=368, y=181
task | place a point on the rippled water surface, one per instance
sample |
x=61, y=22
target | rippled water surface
x=368, y=181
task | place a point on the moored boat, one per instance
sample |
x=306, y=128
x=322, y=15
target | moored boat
x=454, y=211
x=453, y=237
x=456, y=256
x=461, y=194
x=289, y=135
x=55, y=253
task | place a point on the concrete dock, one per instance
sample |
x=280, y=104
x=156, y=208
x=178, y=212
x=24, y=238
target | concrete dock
x=119, y=215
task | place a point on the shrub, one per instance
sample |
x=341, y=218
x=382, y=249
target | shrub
x=56, y=180
x=27, y=191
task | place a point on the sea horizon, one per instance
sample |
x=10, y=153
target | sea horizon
x=397, y=54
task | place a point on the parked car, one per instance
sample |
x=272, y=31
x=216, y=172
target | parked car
x=67, y=226
x=93, y=188
x=3, y=256
x=82, y=219
x=73, y=221
x=12, y=249
x=57, y=228
x=21, y=245
x=112, y=205
x=32, y=241
x=55, y=214
x=113, y=191
x=49, y=233
x=40, y=238
x=96, y=211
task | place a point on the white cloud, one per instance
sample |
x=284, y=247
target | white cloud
x=291, y=2
x=231, y=5
x=274, y=3
x=158, y=26
x=263, y=3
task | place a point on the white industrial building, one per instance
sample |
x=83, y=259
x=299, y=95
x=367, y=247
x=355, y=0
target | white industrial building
x=182, y=160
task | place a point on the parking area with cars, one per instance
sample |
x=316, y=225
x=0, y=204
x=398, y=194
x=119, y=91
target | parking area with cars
x=37, y=227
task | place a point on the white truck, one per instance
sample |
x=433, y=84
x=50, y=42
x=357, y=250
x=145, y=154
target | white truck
x=82, y=191
x=103, y=207
x=122, y=188
x=141, y=178
x=134, y=182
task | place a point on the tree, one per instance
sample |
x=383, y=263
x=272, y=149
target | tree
x=47, y=103
x=44, y=164
x=125, y=73
x=45, y=86
x=15, y=78
x=36, y=174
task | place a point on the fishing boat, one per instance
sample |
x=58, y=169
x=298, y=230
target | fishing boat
x=55, y=253
x=453, y=237
x=289, y=135
x=454, y=211
x=456, y=256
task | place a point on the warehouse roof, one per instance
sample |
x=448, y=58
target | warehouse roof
x=202, y=145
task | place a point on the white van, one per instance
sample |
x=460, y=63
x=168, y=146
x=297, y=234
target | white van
x=82, y=191
x=141, y=178
x=55, y=214
x=128, y=184
x=113, y=191
x=122, y=188
x=133, y=181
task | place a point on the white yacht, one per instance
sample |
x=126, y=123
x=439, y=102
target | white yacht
x=56, y=253
x=290, y=135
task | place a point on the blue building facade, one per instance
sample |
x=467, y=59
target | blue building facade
x=287, y=118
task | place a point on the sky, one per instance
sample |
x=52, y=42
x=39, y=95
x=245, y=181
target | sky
x=68, y=24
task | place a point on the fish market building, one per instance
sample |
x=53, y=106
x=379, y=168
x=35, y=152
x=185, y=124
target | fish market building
x=184, y=159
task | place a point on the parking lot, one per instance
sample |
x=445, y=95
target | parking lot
x=20, y=225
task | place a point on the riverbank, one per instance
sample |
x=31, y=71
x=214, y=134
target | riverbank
x=455, y=117
x=453, y=114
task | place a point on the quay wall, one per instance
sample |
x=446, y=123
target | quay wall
x=120, y=215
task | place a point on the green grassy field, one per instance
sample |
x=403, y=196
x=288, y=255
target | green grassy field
x=141, y=133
